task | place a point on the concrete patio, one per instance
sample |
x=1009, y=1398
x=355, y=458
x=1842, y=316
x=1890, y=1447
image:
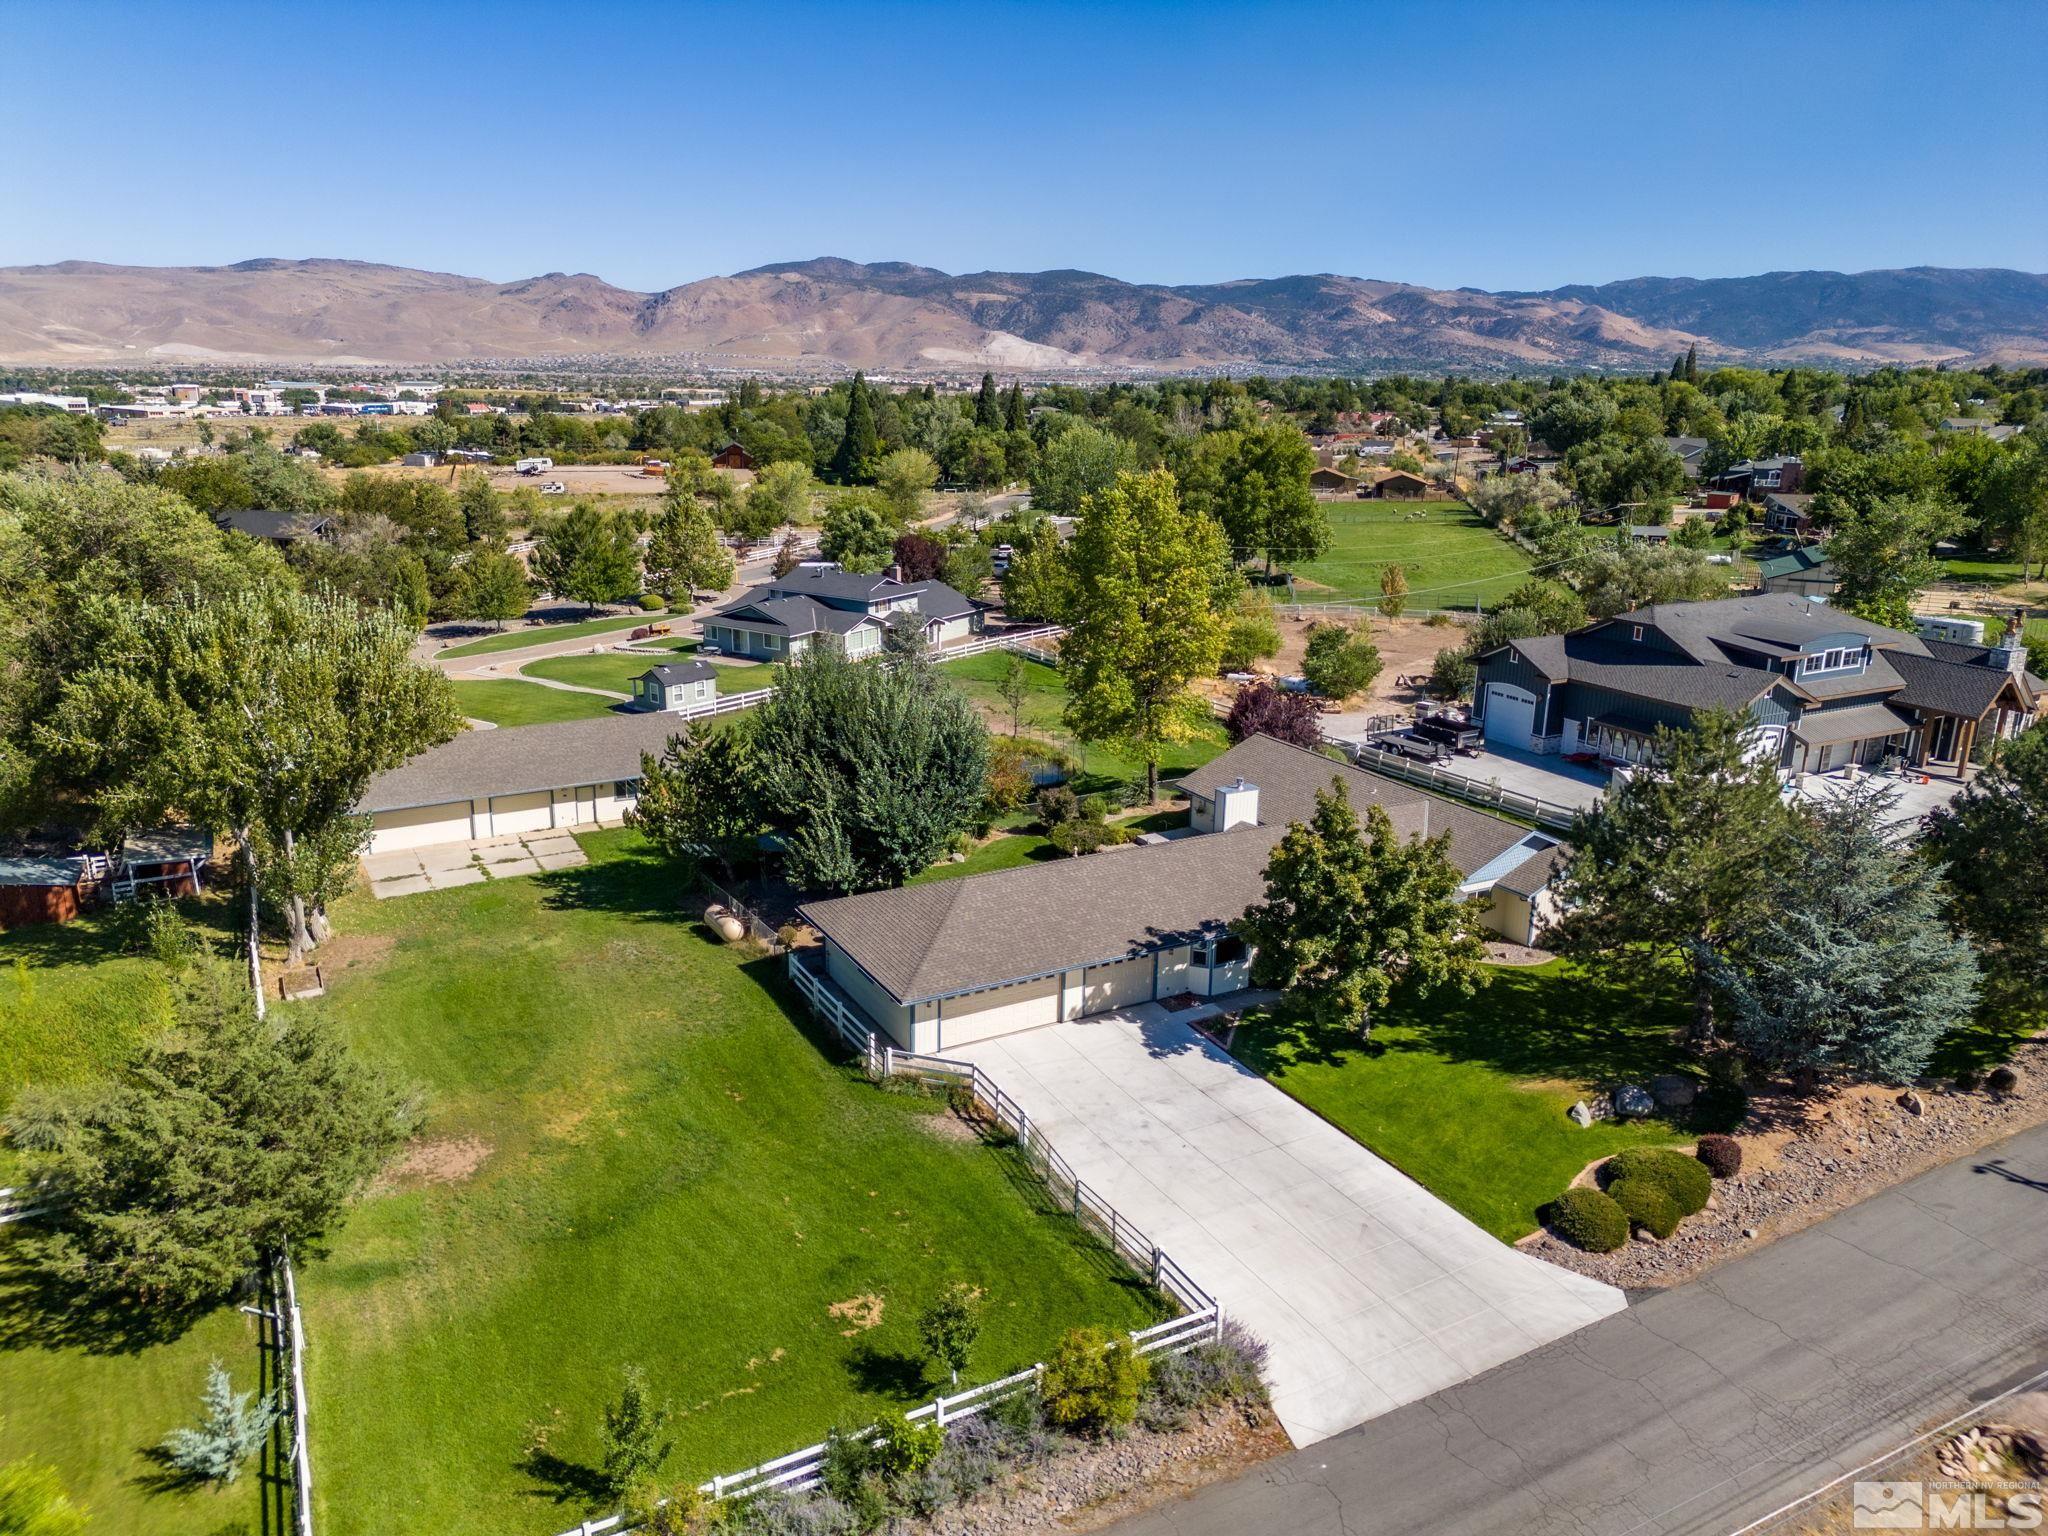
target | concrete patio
x=1369, y=1291
x=442, y=866
x=1571, y=785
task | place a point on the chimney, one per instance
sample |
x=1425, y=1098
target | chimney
x=896, y=574
x=1237, y=805
x=2012, y=645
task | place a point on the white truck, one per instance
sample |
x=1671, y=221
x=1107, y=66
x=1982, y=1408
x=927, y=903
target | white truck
x=533, y=466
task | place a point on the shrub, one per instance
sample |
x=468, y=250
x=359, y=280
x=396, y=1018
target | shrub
x=1684, y=1179
x=657, y=1510
x=2006, y=1080
x=1092, y=1382
x=1339, y=660
x=1646, y=1204
x=1057, y=804
x=1228, y=1369
x=632, y=1436
x=1260, y=709
x=1722, y=1155
x=901, y=1450
x=650, y=603
x=1588, y=1219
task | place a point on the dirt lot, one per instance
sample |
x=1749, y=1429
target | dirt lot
x=1408, y=647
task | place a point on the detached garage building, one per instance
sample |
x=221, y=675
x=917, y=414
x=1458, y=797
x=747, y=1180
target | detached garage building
x=940, y=966
x=529, y=778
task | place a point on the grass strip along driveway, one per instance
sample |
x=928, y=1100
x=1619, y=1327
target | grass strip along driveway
x=616, y=670
x=1449, y=555
x=542, y=634
x=1467, y=1096
x=638, y=1152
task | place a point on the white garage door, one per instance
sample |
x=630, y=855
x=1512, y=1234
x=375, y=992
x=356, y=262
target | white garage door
x=1118, y=985
x=1001, y=1011
x=520, y=813
x=1510, y=715
x=420, y=826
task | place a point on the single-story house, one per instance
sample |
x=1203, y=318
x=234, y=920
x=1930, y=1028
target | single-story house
x=1822, y=689
x=818, y=602
x=733, y=456
x=1649, y=533
x=675, y=685
x=277, y=527
x=935, y=967
x=1332, y=482
x=527, y=778
x=1997, y=431
x=1804, y=570
x=1689, y=451
x=1398, y=483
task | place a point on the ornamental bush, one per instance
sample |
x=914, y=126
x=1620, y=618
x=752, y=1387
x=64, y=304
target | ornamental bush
x=1646, y=1204
x=1092, y=1382
x=1685, y=1179
x=1588, y=1219
x=1722, y=1155
x=2006, y=1080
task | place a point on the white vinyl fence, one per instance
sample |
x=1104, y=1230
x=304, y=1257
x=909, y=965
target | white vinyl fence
x=1545, y=813
x=20, y=1204
x=1199, y=1323
x=292, y=1338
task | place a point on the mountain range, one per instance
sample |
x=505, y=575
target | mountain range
x=830, y=313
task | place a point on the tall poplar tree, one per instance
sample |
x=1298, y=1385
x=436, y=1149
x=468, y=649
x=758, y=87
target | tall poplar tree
x=988, y=412
x=1143, y=624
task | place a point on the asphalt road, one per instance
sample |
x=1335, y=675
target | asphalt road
x=1706, y=1407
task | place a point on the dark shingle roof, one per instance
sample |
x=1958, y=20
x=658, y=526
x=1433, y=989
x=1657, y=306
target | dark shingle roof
x=1952, y=687
x=1857, y=722
x=669, y=673
x=519, y=759
x=280, y=527
x=978, y=931
x=1534, y=872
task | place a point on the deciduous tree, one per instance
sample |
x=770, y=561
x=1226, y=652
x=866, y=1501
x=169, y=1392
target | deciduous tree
x=1260, y=709
x=701, y=798
x=684, y=551
x=1350, y=912
x=590, y=556
x=859, y=531
x=1993, y=837
x=1883, y=556
x=1143, y=627
x=494, y=587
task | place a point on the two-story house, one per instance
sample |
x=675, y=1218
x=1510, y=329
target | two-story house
x=1821, y=688
x=820, y=603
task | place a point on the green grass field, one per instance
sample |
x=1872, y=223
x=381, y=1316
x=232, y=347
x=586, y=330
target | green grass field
x=673, y=1173
x=979, y=676
x=1449, y=556
x=519, y=639
x=638, y=1151
x=1468, y=1095
x=617, y=669
x=506, y=702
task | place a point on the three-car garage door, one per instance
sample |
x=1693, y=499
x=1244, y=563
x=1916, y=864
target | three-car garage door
x=1510, y=716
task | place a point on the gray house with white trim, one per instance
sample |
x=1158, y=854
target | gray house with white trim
x=675, y=685
x=821, y=604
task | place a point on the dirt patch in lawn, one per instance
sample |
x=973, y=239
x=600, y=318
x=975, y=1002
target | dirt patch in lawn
x=1500, y=952
x=1407, y=649
x=439, y=1160
x=862, y=1312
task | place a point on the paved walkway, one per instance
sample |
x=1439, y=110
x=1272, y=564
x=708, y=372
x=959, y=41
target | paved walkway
x=443, y=865
x=1709, y=1406
x=1369, y=1291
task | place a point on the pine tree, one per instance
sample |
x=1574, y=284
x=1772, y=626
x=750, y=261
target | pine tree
x=860, y=445
x=231, y=1429
x=1671, y=863
x=988, y=413
x=1692, y=364
x=1994, y=839
x=1677, y=368
x=1351, y=911
x=1016, y=416
x=1848, y=963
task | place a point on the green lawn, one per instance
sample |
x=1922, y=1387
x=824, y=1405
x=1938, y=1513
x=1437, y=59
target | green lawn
x=616, y=670
x=506, y=702
x=518, y=639
x=1468, y=1095
x=675, y=1174
x=1450, y=557
x=978, y=677
x=1981, y=567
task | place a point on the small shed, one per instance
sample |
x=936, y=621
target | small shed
x=733, y=456
x=40, y=888
x=165, y=862
x=676, y=685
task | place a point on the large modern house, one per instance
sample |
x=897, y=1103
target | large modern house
x=819, y=602
x=941, y=965
x=1822, y=688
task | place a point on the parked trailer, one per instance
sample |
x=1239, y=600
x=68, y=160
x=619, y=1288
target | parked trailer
x=534, y=466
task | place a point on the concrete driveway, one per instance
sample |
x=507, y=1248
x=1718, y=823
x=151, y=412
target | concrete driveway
x=1370, y=1291
x=442, y=865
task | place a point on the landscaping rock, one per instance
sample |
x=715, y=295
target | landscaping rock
x=1632, y=1101
x=1671, y=1091
x=1911, y=1103
x=1581, y=1114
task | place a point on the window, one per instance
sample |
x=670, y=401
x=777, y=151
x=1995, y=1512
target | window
x=772, y=642
x=1226, y=950
x=1635, y=632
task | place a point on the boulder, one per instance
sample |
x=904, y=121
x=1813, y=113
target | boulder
x=1673, y=1091
x=1581, y=1114
x=1632, y=1101
x=1910, y=1102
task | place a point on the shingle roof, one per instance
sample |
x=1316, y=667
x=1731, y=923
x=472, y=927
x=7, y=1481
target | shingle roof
x=272, y=525
x=1534, y=872
x=669, y=673
x=953, y=936
x=1858, y=722
x=1589, y=657
x=519, y=759
x=1953, y=687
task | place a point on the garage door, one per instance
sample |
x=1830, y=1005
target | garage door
x=419, y=826
x=1510, y=715
x=520, y=813
x=1120, y=985
x=999, y=1011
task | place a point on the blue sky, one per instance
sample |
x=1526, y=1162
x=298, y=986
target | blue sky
x=1514, y=145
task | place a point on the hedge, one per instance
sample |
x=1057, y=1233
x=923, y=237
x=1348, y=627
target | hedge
x=1590, y=1220
x=1685, y=1179
x=1647, y=1204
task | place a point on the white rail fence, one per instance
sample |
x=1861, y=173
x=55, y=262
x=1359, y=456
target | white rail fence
x=1545, y=813
x=20, y=1204
x=1200, y=1323
x=292, y=1335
